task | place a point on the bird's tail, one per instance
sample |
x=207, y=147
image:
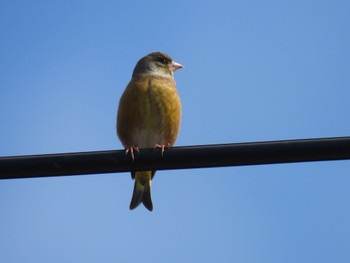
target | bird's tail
x=142, y=190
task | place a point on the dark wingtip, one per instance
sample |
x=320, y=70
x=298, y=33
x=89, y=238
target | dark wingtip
x=134, y=205
x=136, y=197
x=149, y=207
x=148, y=204
x=146, y=198
x=142, y=192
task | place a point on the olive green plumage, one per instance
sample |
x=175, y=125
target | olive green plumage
x=149, y=115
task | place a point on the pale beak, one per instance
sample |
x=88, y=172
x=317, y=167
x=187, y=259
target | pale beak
x=175, y=66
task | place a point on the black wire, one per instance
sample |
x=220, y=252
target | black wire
x=203, y=156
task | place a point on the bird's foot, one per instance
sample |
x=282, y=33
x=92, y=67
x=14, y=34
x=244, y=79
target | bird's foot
x=131, y=150
x=162, y=147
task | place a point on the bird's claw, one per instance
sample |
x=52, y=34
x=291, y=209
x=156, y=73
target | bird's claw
x=131, y=150
x=162, y=147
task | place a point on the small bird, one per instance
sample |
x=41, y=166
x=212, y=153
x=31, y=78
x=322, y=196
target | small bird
x=149, y=115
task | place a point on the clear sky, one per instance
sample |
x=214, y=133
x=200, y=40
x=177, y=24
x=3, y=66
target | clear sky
x=254, y=71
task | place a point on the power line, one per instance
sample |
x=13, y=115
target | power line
x=202, y=156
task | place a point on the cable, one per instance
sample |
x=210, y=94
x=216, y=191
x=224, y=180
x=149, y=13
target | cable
x=202, y=156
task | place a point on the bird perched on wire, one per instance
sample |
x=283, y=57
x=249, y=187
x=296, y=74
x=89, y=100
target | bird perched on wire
x=149, y=115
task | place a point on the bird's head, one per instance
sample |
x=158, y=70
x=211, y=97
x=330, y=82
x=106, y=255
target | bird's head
x=156, y=63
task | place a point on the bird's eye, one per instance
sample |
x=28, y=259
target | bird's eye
x=163, y=60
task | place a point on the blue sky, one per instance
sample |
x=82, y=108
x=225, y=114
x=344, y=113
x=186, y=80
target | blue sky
x=254, y=71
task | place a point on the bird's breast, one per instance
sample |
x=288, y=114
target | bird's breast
x=155, y=109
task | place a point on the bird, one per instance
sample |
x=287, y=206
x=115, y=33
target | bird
x=149, y=115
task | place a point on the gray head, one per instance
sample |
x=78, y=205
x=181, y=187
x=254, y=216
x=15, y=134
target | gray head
x=156, y=63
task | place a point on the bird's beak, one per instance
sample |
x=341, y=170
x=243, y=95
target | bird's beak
x=175, y=66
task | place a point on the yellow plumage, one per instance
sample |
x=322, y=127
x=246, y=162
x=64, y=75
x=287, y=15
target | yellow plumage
x=149, y=114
